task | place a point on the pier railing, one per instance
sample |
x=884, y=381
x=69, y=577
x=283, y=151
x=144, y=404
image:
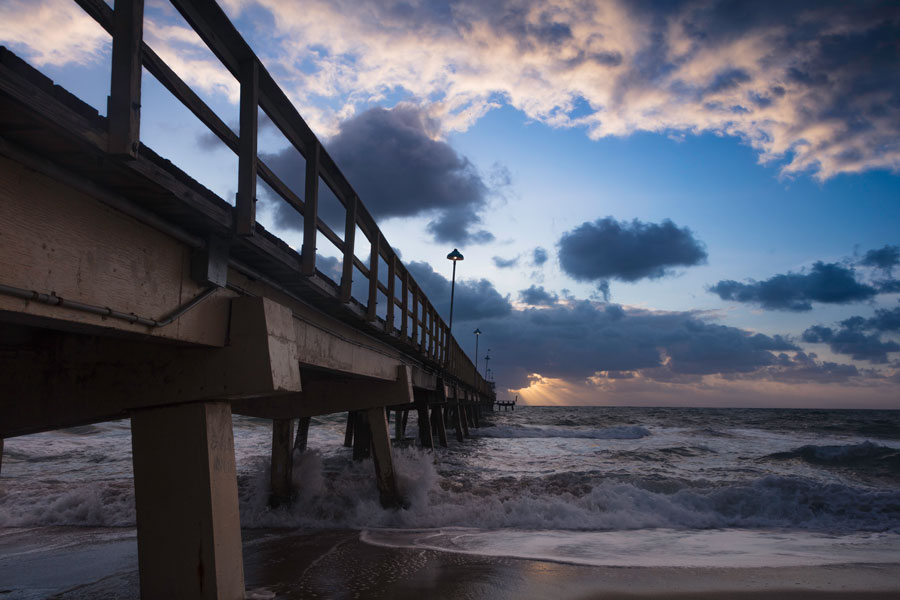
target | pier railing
x=421, y=329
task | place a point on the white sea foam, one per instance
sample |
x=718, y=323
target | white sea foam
x=651, y=547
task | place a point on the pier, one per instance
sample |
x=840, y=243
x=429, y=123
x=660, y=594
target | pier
x=507, y=404
x=129, y=290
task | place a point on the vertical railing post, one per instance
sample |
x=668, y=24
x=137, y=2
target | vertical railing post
x=311, y=211
x=392, y=294
x=249, y=111
x=431, y=331
x=373, y=275
x=124, y=107
x=404, y=306
x=415, y=319
x=349, y=241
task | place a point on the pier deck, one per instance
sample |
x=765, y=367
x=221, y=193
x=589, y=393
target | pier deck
x=128, y=290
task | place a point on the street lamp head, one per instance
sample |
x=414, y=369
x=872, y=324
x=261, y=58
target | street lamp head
x=455, y=255
x=477, y=332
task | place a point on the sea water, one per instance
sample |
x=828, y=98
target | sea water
x=582, y=485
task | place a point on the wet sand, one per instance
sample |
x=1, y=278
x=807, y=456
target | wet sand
x=73, y=563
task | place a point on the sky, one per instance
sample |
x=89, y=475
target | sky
x=677, y=203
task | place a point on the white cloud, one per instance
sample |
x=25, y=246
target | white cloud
x=52, y=32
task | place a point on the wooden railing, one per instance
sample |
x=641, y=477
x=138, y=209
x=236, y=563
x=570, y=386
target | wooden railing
x=421, y=328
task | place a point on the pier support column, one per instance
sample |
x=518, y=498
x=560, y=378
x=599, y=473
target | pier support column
x=388, y=491
x=282, y=461
x=348, y=433
x=437, y=418
x=1, y=455
x=302, y=434
x=185, y=488
x=457, y=422
x=425, y=436
x=362, y=435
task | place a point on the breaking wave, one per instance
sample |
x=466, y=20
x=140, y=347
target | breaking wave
x=866, y=457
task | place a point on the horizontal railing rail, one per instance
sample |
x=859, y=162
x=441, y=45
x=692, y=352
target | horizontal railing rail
x=421, y=328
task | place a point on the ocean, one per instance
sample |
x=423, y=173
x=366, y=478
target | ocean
x=599, y=486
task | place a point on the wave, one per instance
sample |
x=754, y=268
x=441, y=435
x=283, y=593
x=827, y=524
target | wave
x=623, y=432
x=866, y=457
x=579, y=501
x=334, y=492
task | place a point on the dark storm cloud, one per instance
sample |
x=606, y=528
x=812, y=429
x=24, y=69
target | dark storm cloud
x=398, y=169
x=505, y=263
x=884, y=258
x=805, y=368
x=538, y=296
x=828, y=283
x=609, y=249
x=538, y=256
x=473, y=299
x=576, y=340
x=860, y=337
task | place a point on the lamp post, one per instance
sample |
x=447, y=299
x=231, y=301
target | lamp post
x=454, y=257
x=477, y=333
x=487, y=359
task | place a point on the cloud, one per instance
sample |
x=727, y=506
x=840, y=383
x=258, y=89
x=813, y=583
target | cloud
x=399, y=169
x=538, y=257
x=474, y=299
x=827, y=283
x=505, y=263
x=810, y=85
x=859, y=337
x=538, y=296
x=804, y=367
x=884, y=258
x=52, y=32
x=609, y=249
x=578, y=339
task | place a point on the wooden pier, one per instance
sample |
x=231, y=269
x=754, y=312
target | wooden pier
x=128, y=290
x=507, y=404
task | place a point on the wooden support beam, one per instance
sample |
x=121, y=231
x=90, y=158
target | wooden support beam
x=281, y=487
x=124, y=109
x=391, y=293
x=374, y=255
x=302, y=438
x=1, y=455
x=388, y=492
x=362, y=435
x=415, y=319
x=186, y=500
x=404, y=306
x=349, y=243
x=439, y=425
x=404, y=421
x=348, y=432
x=249, y=110
x=74, y=379
x=425, y=436
x=311, y=211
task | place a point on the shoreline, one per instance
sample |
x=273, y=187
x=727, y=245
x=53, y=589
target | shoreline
x=72, y=563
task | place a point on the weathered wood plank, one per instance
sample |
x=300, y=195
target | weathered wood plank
x=349, y=243
x=245, y=218
x=124, y=108
x=311, y=212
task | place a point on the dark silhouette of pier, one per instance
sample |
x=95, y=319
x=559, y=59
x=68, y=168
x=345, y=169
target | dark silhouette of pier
x=129, y=290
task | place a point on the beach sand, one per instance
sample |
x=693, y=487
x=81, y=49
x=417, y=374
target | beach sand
x=78, y=563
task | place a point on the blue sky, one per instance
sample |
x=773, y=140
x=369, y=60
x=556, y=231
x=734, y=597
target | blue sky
x=714, y=185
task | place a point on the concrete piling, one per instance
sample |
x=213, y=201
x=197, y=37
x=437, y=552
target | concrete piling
x=282, y=462
x=362, y=436
x=302, y=437
x=348, y=433
x=185, y=480
x=381, y=454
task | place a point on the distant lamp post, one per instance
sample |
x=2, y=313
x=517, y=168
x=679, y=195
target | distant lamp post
x=487, y=359
x=454, y=257
x=477, y=333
